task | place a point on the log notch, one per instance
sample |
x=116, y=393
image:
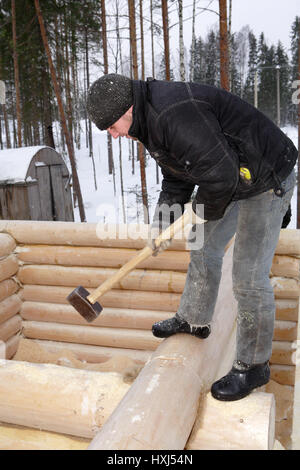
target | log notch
x=10, y=303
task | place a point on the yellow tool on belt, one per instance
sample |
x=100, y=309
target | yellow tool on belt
x=245, y=174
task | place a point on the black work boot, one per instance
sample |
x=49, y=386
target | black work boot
x=171, y=326
x=240, y=381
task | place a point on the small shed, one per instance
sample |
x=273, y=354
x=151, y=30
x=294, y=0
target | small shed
x=34, y=185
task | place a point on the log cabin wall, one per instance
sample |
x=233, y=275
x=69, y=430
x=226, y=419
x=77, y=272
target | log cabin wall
x=10, y=303
x=55, y=257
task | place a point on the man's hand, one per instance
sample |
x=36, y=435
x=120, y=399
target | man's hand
x=154, y=233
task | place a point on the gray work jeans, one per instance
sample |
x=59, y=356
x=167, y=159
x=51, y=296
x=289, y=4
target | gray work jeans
x=256, y=222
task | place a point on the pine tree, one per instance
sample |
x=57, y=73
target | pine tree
x=267, y=78
x=235, y=75
x=212, y=60
x=199, y=72
x=282, y=61
x=252, y=67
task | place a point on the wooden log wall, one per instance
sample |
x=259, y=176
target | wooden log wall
x=56, y=257
x=10, y=303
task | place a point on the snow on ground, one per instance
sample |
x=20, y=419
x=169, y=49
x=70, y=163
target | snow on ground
x=102, y=205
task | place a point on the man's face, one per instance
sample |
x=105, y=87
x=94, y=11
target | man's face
x=121, y=127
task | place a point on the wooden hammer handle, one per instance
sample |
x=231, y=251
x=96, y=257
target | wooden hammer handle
x=145, y=253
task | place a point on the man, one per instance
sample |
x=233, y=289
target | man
x=242, y=165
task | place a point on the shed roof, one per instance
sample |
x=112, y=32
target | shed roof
x=15, y=163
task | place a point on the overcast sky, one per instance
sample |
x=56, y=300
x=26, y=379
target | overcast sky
x=273, y=17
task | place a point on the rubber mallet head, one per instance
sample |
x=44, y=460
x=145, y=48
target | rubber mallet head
x=79, y=299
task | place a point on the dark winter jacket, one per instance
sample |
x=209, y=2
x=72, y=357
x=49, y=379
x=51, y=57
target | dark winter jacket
x=201, y=135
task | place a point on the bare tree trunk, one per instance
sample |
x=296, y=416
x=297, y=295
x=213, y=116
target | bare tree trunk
x=181, y=43
x=224, y=69
x=62, y=114
x=153, y=68
x=105, y=61
x=16, y=69
x=7, y=134
x=193, y=43
x=67, y=80
x=91, y=151
x=142, y=40
x=118, y=36
x=132, y=27
x=152, y=39
x=229, y=45
x=165, y=19
x=121, y=180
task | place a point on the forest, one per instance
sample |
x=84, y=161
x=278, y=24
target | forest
x=52, y=50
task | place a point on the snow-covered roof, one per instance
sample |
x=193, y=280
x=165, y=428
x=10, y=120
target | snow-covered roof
x=14, y=163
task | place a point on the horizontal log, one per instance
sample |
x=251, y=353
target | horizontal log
x=247, y=424
x=13, y=437
x=285, y=331
x=94, y=354
x=284, y=375
x=285, y=288
x=83, y=234
x=10, y=327
x=8, y=267
x=287, y=309
x=8, y=287
x=7, y=244
x=9, y=307
x=138, y=279
x=112, y=317
x=115, y=298
x=283, y=352
x=55, y=398
x=285, y=266
x=109, y=235
x=12, y=345
x=98, y=336
x=99, y=257
x=289, y=242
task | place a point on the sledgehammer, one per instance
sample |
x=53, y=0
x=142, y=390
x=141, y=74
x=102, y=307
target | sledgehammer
x=86, y=304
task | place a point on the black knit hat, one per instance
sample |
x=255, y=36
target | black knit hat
x=108, y=99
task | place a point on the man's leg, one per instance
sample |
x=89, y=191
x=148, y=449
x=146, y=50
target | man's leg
x=258, y=229
x=199, y=297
